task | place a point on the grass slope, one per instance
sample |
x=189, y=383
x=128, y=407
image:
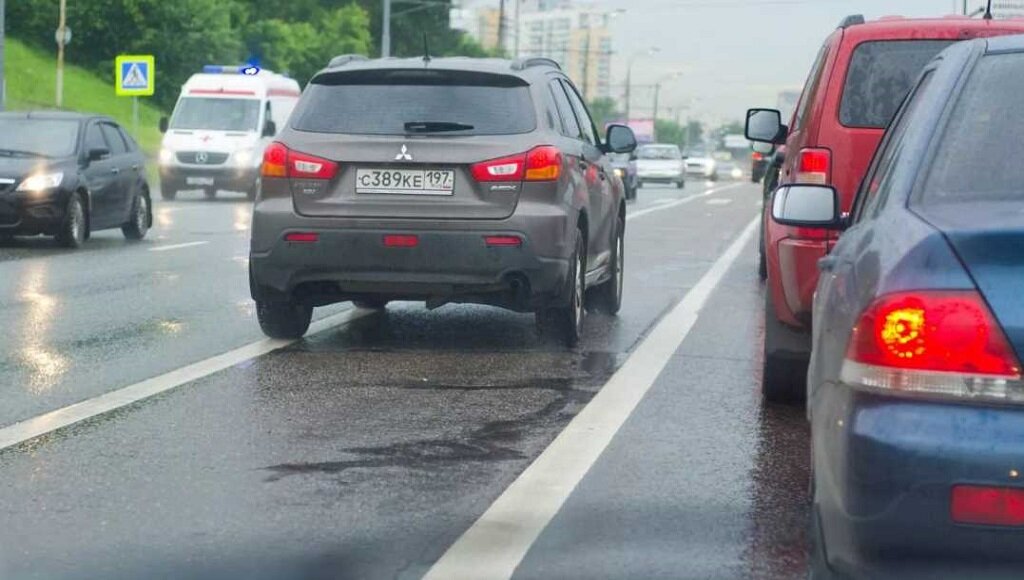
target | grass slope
x=31, y=84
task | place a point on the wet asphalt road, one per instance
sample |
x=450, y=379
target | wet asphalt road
x=366, y=450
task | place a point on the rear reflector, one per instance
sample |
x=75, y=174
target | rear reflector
x=815, y=166
x=989, y=506
x=401, y=241
x=302, y=237
x=503, y=241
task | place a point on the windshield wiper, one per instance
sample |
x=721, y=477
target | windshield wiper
x=20, y=153
x=435, y=126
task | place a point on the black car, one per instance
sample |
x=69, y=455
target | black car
x=67, y=174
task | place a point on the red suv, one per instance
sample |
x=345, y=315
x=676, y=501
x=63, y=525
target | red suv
x=861, y=75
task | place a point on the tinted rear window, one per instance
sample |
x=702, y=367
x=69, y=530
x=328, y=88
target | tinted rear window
x=382, y=102
x=979, y=153
x=880, y=76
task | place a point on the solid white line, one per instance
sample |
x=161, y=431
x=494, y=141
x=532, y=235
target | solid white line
x=89, y=408
x=679, y=202
x=722, y=201
x=177, y=246
x=495, y=545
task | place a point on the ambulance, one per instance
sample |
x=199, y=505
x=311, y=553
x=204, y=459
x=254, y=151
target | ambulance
x=224, y=118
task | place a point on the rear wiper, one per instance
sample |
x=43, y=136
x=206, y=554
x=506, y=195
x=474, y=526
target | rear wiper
x=20, y=153
x=435, y=126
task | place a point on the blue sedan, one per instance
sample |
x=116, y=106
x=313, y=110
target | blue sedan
x=915, y=393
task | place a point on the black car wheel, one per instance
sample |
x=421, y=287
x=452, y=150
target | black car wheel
x=138, y=224
x=72, y=230
x=167, y=192
x=284, y=319
x=785, y=374
x=608, y=296
x=210, y=193
x=762, y=260
x=566, y=322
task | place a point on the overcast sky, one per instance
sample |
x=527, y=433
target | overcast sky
x=732, y=54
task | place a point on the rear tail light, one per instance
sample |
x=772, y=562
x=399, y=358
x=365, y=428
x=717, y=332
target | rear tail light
x=941, y=342
x=539, y=164
x=543, y=164
x=503, y=241
x=756, y=156
x=990, y=506
x=814, y=166
x=279, y=161
x=401, y=241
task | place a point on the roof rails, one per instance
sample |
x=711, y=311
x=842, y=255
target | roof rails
x=525, y=63
x=852, y=20
x=343, y=59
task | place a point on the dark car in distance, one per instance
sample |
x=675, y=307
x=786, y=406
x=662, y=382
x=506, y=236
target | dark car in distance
x=442, y=181
x=915, y=389
x=67, y=175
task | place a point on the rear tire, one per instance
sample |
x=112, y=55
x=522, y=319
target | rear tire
x=566, y=322
x=284, y=319
x=72, y=229
x=138, y=224
x=817, y=562
x=210, y=193
x=762, y=260
x=785, y=374
x=167, y=192
x=680, y=184
x=608, y=296
x=371, y=303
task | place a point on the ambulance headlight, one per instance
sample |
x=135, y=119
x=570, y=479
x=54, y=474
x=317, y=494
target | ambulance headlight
x=166, y=156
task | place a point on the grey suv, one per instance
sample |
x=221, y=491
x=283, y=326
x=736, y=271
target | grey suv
x=445, y=180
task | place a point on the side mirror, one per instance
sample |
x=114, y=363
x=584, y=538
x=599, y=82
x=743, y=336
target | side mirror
x=620, y=139
x=809, y=206
x=269, y=128
x=164, y=124
x=98, y=153
x=765, y=126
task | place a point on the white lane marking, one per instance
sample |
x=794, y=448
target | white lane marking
x=662, y=201
x=495, y=545
x=177, y=246
x=718, y=201
x=679, y=202
x=105, y=403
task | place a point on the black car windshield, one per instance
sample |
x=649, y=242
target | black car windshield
x=448, y=103
x=216, y=114
x=41, y=137
x=977, y=156
x=880, y=76
x=659, y=152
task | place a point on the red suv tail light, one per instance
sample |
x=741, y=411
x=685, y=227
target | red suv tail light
x=990, y=506
x=814, y=166
x=539, y=164
x=939, y=342
x=756, y=156
x=279, y=161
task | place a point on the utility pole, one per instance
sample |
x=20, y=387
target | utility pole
x=657, y=90
x=586, y=64
x=515, y=41
x=385, y=34
x=501, y=25
x=965, y=8
x=3, y=86
x=60, y=53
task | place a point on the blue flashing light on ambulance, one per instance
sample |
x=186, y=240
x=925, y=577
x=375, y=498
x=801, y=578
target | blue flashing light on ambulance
x=225, y=117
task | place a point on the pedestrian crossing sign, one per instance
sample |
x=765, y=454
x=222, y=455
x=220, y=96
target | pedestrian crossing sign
x=134, y=75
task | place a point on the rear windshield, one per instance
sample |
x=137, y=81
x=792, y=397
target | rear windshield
x=978, y=158
x=880, y=76
x=659, y=152
x=444, y=102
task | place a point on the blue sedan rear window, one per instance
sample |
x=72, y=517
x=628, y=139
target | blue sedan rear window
x=979, y=155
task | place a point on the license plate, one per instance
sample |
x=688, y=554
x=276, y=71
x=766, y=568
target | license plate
x=199, y=181
x=406, y=181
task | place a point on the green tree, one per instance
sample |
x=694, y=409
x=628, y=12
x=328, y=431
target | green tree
x=604, y=110
x=669, y=132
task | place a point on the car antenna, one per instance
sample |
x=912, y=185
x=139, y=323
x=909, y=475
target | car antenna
x=426, y=50
x=988, y=11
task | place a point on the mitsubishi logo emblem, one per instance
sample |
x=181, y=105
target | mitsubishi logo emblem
x=403, y=155
x=201, y=157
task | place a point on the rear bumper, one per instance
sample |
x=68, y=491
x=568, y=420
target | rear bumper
x=885, y=468
x=451, y=263
x=177, y=177
x=662, y=176
x=793, y=273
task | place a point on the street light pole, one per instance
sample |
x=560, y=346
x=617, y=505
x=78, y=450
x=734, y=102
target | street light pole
x=60, y=53
x=385, y=34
